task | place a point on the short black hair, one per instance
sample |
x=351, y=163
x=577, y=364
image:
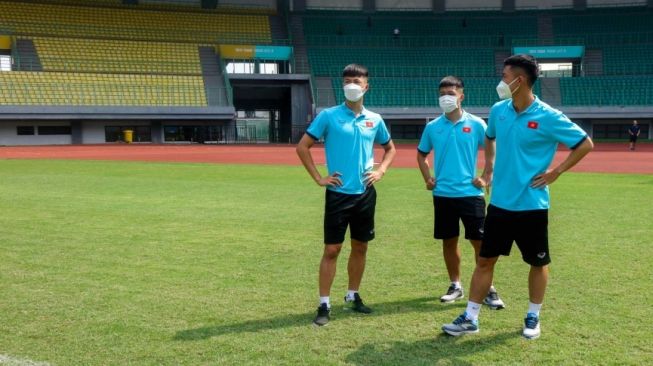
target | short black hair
x=451, y=80
x=354, y=70
x=527, y=63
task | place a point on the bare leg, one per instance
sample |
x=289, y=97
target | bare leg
x=356, y=265
x=328, y=268
x=537, y=280
x=482, y=279
x=451, y=254
x=477, y=250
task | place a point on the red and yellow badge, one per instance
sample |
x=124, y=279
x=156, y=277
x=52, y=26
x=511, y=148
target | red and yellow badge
x=533, y=124
x=369, y=124
x=467, y=129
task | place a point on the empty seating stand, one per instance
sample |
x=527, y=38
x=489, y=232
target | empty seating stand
x=88, y=89
x=134, y=24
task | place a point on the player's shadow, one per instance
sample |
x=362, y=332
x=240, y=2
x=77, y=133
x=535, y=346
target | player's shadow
x=441, y=349
x=424, y=304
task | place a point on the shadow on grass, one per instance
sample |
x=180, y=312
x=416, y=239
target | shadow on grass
x=441, y=349
x=424, y=304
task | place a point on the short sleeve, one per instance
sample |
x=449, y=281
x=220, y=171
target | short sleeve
x=491, y=131
x=481, y=134
x=425, y=145
x=318, y=128
x=567, y=132
x=382, y=135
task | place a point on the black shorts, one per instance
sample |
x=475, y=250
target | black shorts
x=449, y=211
x=353, y=210
x=529, y=229
x=633, y=138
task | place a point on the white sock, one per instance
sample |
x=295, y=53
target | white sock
x=350, y=294
x=534, y=308
x=456, y=284
x=325, y=300
x=472, y=310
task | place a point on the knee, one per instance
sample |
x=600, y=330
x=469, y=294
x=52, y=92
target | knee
x=359, y=248
x=486, y=264
x=331, y=252
x=540, y=269
x=450, y=244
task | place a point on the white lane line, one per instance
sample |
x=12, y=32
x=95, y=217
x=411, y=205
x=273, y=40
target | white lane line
x=7, y=360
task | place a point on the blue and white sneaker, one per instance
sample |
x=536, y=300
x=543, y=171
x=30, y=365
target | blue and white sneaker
x=461, y=325
x=531, y=326
x=493, y=300
x=453, y=293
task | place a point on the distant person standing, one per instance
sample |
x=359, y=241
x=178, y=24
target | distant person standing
x=634, y=132
x=395, y=33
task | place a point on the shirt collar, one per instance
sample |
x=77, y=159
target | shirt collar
x=363, y=110
x=535, y=104
x=462, y=118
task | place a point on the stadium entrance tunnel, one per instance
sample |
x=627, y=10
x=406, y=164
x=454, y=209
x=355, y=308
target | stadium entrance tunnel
x=283, y=102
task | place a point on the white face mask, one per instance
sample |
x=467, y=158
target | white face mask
x=448, y=103
x=504, y=91
x=353, y=92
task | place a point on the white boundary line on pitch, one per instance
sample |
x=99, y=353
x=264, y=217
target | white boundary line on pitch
x=13, y=361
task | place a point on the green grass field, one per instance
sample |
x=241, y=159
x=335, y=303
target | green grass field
x=111, y=263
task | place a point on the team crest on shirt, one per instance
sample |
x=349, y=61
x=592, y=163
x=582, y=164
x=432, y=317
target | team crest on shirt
x=467, y=129
x=369, y=124
x=533, y=125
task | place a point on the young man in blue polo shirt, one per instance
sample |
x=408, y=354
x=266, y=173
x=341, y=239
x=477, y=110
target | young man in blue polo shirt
x=526, y=132
x=455, y=137
x=349, y=131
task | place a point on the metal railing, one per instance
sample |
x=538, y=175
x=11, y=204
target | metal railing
x=258, y=66
x=419, y=71
x=227, y=84
x=117, y=31
x=64, y=64
x=602, y=95
x=450, y=41
x=592, y=39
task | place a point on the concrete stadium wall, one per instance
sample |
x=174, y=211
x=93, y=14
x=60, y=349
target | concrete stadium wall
x=268, y=4
x=543, y=4
x=9, y=136
x=404, y=4
x=93, y=131
x=195, y=3
x=334, y=4
x=597, y=3
x=473, y=4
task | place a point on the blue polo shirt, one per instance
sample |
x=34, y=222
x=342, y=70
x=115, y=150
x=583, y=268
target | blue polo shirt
x=525, y=146
x=456, y=151
x=348, y=143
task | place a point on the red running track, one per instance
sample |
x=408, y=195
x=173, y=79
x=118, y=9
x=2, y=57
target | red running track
x=606, y=158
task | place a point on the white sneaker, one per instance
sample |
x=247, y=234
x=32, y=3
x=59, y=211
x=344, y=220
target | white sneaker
x=493, y=301
x=453, y=293
x=531, y=326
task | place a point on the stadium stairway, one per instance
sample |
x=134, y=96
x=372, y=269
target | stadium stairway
x=278, y=29
x=28, y=58
x=214, y=83
x=550, y=90
x=499, y=56
x=299, y=44
x=544, y=29
x=325, y=95
x=593, y=62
